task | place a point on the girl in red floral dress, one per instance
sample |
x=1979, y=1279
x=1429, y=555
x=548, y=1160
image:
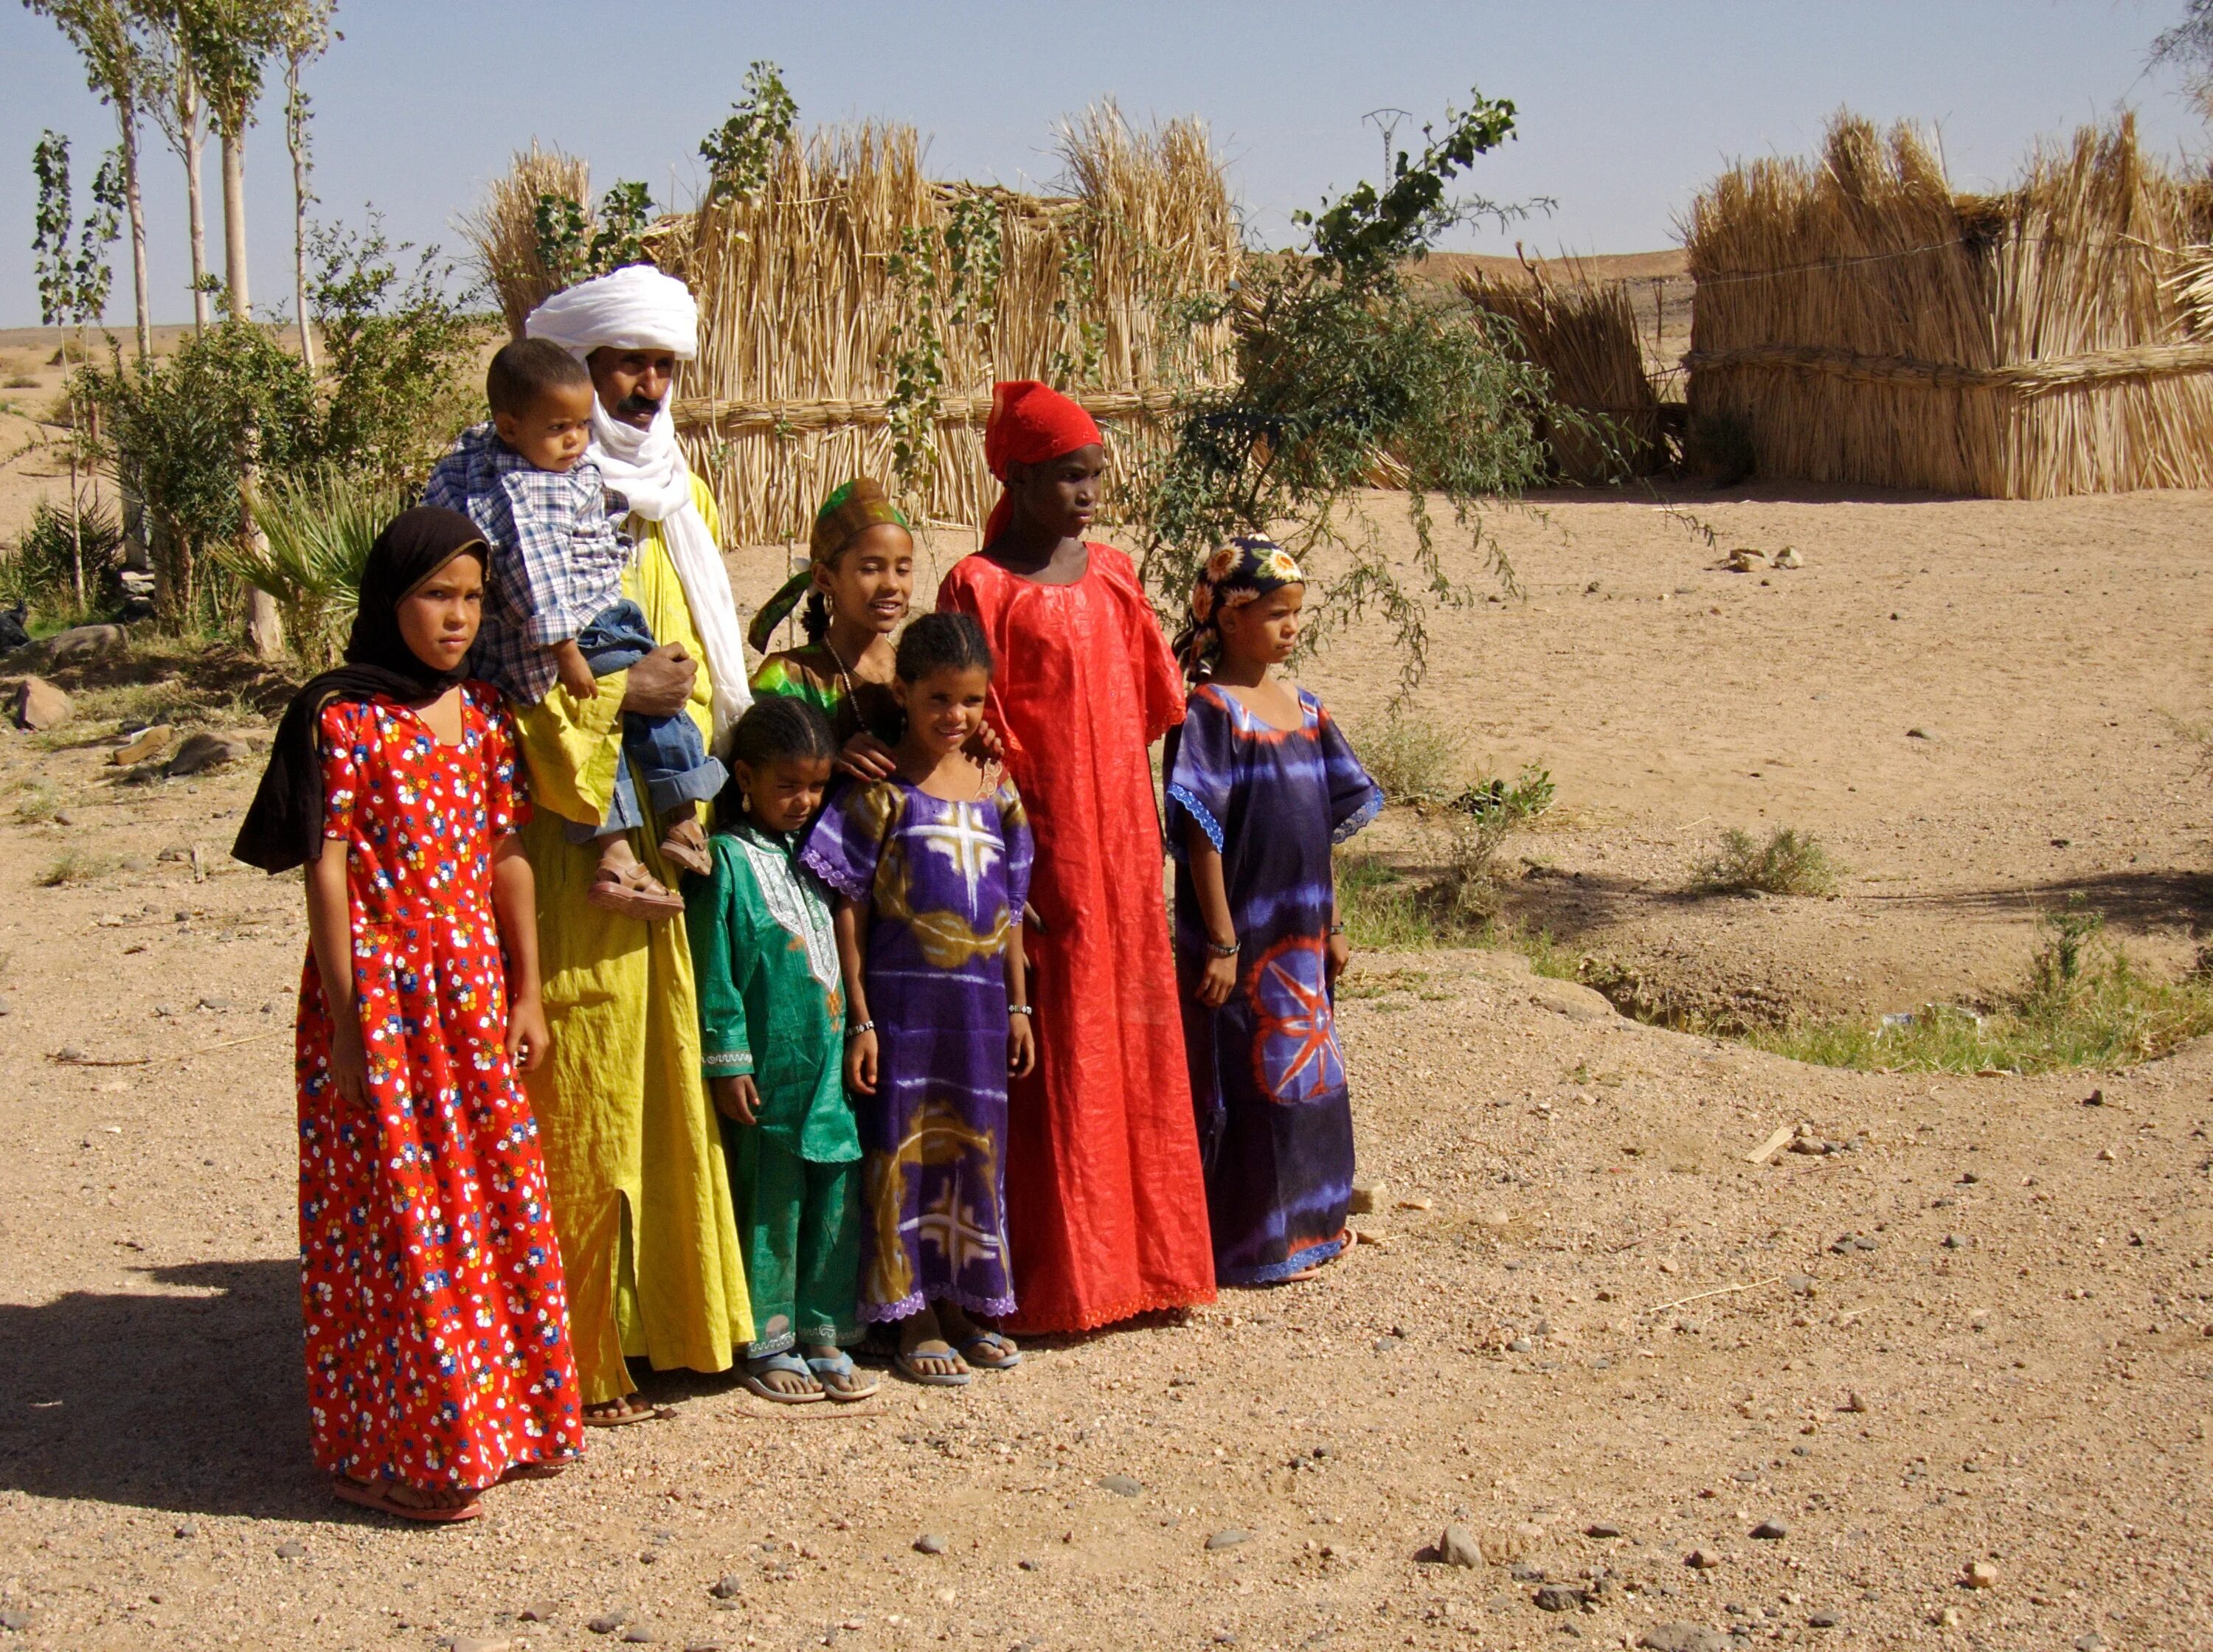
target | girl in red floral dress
x=437, y=1333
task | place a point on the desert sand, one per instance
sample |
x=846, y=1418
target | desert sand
x=1589, y=1330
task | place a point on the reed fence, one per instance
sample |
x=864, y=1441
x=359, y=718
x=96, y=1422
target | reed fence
x=853, y=269
x=1584, y=333
x=1866, y=323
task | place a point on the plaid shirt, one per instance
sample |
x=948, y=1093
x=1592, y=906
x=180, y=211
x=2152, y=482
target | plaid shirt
x=557, y=557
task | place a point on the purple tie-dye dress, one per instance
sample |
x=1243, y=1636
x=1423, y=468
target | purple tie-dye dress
x=1267, y=1073
x=945, y=882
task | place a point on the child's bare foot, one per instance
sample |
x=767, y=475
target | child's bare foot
x=983, y=1346
x=623, y=885
x=618, y=1413
x=783, y=1377
x=925, y=1356
x=434, y=1504
x=684, y=840
x=833, y=1369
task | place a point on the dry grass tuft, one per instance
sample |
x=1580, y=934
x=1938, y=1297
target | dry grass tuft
x=1412, y=757
x=76, y=867
x=1791, y=862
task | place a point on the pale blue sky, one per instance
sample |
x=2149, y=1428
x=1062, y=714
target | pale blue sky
x=1626, y=109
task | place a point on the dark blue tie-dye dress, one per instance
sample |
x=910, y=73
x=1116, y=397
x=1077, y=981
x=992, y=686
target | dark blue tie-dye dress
x=1267, y=1075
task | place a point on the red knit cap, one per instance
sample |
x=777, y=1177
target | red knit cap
x=1030, y=423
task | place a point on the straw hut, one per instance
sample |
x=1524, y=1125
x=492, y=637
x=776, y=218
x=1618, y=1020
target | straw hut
x=1583, y=332
x=1864, y=323
x=856, y=305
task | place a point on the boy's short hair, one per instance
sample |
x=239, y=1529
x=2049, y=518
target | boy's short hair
x=525, y=370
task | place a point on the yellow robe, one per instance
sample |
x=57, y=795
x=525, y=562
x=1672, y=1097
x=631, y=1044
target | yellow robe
x=633, y=1150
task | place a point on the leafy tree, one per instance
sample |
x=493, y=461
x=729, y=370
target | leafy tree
x=112, y=38
x=947, y=279
x=303, y=32
x=233, y=416
x=576, y=246
x=740, y=151
x=70, y=259
x=1348, y=373
x=399, y=347
x=2189, y=46
x=186, y=426
x=182, y=115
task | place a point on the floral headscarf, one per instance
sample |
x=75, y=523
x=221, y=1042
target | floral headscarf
x=1242, y=571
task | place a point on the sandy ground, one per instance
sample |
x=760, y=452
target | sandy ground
x=1586, y=1309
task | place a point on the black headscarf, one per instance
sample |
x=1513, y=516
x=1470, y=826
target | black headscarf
x=285, y=827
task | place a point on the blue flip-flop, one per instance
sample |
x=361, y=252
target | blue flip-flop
x=912, y=1372
x=1006, y=1354
x=784, y=1364
x=843, y=1369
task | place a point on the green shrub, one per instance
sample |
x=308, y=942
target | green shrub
x=1791, y=862
x=42, y=573
x=1483, y=817
x=2083, y=1004
x=315, y=532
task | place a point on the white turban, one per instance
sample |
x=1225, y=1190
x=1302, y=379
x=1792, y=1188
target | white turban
x=638, y=308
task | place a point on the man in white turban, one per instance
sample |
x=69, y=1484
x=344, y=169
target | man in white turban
x=633, y=1154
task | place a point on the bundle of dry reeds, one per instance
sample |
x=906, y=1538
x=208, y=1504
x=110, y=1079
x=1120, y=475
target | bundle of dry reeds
x=1584, y=333
x=1869, y=324
x=505, y=228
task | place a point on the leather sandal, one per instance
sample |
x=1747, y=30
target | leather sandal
x=635, y=892
x=685, y=848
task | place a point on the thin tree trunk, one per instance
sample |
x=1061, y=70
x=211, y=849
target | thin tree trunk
x=234, y=220
x=128, y=120
x=188, y=118
x=264, y=628
x=76, y=526
x=296, y=139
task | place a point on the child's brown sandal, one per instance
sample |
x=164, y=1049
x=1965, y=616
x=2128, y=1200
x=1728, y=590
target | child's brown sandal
x=635, y=892
x=685, y=848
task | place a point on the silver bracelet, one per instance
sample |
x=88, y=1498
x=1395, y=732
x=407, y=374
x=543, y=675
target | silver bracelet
x=1021, y=1009
x=1221, y=951
x=864, y=1026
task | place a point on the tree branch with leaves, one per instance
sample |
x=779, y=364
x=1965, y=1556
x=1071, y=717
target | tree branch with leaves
x=1348, y=374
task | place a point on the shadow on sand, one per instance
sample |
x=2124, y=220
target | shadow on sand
x=191, y=1403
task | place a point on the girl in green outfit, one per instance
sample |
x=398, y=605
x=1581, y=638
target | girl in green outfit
x=771, y=1036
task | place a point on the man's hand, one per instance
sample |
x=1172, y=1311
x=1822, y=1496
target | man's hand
x=575, y=675
x=861, y=1064
x=867, y=758
x=1021, y=1046
x=528, y=1037
x=1217, y=983
x=660, y=685
x=738, y=1099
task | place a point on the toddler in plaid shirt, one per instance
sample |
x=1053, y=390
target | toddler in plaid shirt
x=555, y=611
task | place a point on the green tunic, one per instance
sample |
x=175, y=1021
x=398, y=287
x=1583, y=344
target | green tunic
x=772, y=1007
x=771, y=1001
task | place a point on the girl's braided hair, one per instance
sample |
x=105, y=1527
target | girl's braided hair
x=776, y=728
x=941, y=642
